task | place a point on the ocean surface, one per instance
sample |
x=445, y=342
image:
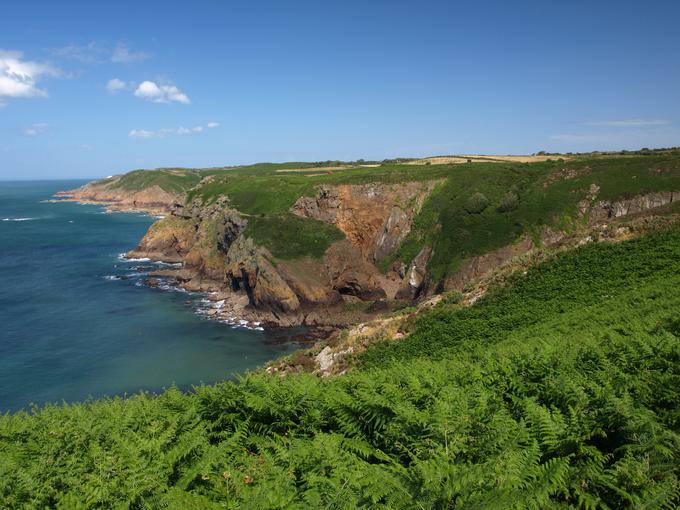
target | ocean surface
x=75, y=321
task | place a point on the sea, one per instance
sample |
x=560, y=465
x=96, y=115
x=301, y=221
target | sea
x=76, y=321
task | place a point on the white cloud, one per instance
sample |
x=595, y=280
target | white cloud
x=141, y=133
x=122, y=54
x=212, y=125
x=19, y=78
x=116, y=85
x=155, y=93
x=163, y=132
x=630, y=123
x=36, y=129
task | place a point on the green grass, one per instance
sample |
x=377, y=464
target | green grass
x=288, y=236
x=559, y=390
x=262, y=190
x=172, y=180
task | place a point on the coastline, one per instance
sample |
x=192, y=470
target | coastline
x=222, y=304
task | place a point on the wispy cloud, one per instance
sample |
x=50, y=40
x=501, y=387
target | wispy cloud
x=629, y=123
x=98, y=53
x=90, y=53
x=142, y=133
x=36, y=129
x=122, y=54
x=19, y=78
x=116, y=85
x=161, y=93
x=163, y=132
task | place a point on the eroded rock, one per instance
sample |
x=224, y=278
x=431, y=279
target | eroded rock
x=414, y=279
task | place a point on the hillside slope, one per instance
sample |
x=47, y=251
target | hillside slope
x=559, y=389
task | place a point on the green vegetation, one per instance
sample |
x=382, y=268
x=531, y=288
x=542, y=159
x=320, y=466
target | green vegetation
x=288, y=236
x=547, y=194
x=559, y=390
x=476, y=203
x=509, y=202
x=172, y=180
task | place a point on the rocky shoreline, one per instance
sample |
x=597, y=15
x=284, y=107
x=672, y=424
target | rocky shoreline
x=153, y=201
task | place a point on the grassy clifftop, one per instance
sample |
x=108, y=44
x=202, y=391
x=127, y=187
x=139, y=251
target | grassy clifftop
x=559, y=390
x=512, y=198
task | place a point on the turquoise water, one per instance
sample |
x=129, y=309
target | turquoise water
x=72, y=328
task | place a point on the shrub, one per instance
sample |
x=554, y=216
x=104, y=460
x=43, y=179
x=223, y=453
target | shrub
x=452, y=298
x=509, y=202
x=476, y=203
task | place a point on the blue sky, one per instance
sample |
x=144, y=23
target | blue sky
x=93, y=88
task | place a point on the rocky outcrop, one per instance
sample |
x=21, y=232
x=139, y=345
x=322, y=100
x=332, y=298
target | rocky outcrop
x=152, y=200
x=248, y=269
x=348, y=273
x=414, y=281
x=218, y=256
x=169, y=240
x=605, y=209
x=374, y=217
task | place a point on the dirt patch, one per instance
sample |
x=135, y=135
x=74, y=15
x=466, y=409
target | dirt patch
x=325, y=169
x=478, y=158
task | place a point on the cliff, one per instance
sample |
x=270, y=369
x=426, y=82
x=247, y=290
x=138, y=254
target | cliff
x=343, y=285
x=285, y=246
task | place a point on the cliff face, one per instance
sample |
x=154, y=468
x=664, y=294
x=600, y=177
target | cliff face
x=374, y=217
x=602, y=210
x=214, y=245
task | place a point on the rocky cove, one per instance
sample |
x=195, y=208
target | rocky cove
x=344, y=286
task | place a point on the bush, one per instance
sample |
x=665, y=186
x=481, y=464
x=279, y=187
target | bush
x=452, y=298
x=509, y=202
x=476, y=203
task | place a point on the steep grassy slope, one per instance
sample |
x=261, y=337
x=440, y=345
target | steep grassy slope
x=546, y=194
x=560, y=390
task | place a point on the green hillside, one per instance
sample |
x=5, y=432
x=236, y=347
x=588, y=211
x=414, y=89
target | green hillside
x=559, y=390
x=172, y=180
x=539, y=196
